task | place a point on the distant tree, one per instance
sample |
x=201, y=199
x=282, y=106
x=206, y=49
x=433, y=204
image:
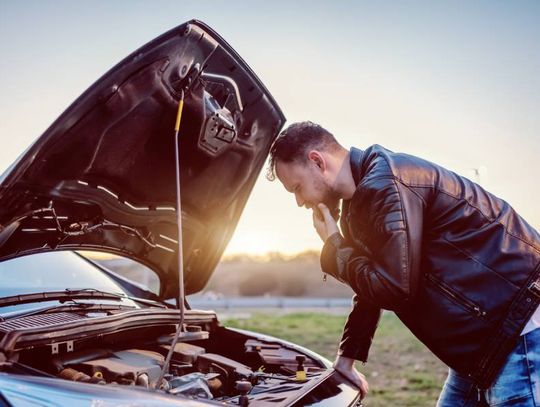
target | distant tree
x=275, y=257
x=256, y=284
x=293, y=284
x=307, y=255
x=237, y=258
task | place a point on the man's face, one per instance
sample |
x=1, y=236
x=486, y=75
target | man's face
x=307, y=181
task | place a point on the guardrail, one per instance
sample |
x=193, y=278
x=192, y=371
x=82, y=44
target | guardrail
x=197, y=302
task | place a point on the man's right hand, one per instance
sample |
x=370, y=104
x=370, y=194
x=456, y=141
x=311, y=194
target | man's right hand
x=345, y=366
x=324, y=223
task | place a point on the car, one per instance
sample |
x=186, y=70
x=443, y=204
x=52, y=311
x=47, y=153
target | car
x=184, y=123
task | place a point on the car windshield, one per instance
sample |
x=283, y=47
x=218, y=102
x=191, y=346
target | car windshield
x=53, y=271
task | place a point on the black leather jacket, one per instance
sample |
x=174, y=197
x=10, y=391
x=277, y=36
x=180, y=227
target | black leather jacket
x=457, y=265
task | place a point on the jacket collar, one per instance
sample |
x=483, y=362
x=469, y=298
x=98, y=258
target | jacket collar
x=356, y=156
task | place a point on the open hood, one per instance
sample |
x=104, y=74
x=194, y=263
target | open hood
x=102, y=177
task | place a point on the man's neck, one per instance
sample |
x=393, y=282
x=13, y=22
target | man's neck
x=345, y=185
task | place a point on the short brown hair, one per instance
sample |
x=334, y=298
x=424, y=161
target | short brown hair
x=295, y=141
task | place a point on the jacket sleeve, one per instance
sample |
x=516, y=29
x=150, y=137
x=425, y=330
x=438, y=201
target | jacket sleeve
x=386, y=227
x=359, y=330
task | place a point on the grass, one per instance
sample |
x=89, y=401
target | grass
x=400, y=370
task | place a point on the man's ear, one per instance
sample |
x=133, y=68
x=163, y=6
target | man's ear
x=318, y=159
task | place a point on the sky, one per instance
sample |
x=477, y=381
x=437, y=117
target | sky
x=455, y=82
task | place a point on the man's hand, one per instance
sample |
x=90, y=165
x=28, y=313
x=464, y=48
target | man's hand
x=324, y=223
x=345, y=366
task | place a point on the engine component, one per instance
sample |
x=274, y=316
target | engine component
x=243, y=387
x=207, y=361
x=76, y=376
x=300, y=371
x=143, y=380
x=276, y=355
x=193, y=385
x=230, y=370
x=186, y=336
x=133, y=366
x=185, y=352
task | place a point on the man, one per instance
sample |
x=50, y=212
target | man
x=456, y=264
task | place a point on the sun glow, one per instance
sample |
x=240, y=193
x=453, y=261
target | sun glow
x=249, y=243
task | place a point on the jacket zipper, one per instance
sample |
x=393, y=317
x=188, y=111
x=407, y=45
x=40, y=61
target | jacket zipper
x=458, y=299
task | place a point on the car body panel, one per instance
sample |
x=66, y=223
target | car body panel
x=25, y=390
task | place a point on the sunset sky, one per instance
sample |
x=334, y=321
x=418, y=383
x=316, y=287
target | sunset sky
x=455, y=82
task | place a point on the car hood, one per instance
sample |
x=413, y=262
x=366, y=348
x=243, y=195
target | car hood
x=102, y=177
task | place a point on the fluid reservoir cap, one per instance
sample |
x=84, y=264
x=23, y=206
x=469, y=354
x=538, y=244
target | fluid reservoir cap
x=243, y=386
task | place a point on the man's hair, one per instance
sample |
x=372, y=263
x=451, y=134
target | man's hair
x=294, y=143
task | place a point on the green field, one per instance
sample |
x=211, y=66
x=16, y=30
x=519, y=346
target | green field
x=400, y=370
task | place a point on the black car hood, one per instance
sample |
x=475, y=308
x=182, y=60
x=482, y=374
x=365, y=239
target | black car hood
x=102, y=177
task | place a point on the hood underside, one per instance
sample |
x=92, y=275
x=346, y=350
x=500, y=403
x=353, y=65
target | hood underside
x=102, y=177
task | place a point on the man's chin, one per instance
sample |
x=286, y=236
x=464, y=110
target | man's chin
x=333, y=206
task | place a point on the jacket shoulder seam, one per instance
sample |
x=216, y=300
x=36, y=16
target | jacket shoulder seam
x=411, y=188
x=406, y=272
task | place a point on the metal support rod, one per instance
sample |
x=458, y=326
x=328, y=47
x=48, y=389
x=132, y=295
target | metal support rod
x=180, y=253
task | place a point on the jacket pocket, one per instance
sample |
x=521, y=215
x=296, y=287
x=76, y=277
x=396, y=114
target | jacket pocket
x=454, y=296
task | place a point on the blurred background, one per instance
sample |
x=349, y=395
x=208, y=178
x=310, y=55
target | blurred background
x=455, y=82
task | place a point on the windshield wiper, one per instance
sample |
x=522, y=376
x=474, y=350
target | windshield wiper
x=146, y=301
x=70, y=294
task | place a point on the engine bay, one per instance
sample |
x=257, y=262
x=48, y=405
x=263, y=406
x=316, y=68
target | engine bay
x=210, y=363
x=193, y=372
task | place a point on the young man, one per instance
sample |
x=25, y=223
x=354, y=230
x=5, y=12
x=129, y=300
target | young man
x=457, y=265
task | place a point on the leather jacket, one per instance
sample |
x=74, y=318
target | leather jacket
x=457, y=265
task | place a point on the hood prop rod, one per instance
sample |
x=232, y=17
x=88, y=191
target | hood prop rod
x=181, y=303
